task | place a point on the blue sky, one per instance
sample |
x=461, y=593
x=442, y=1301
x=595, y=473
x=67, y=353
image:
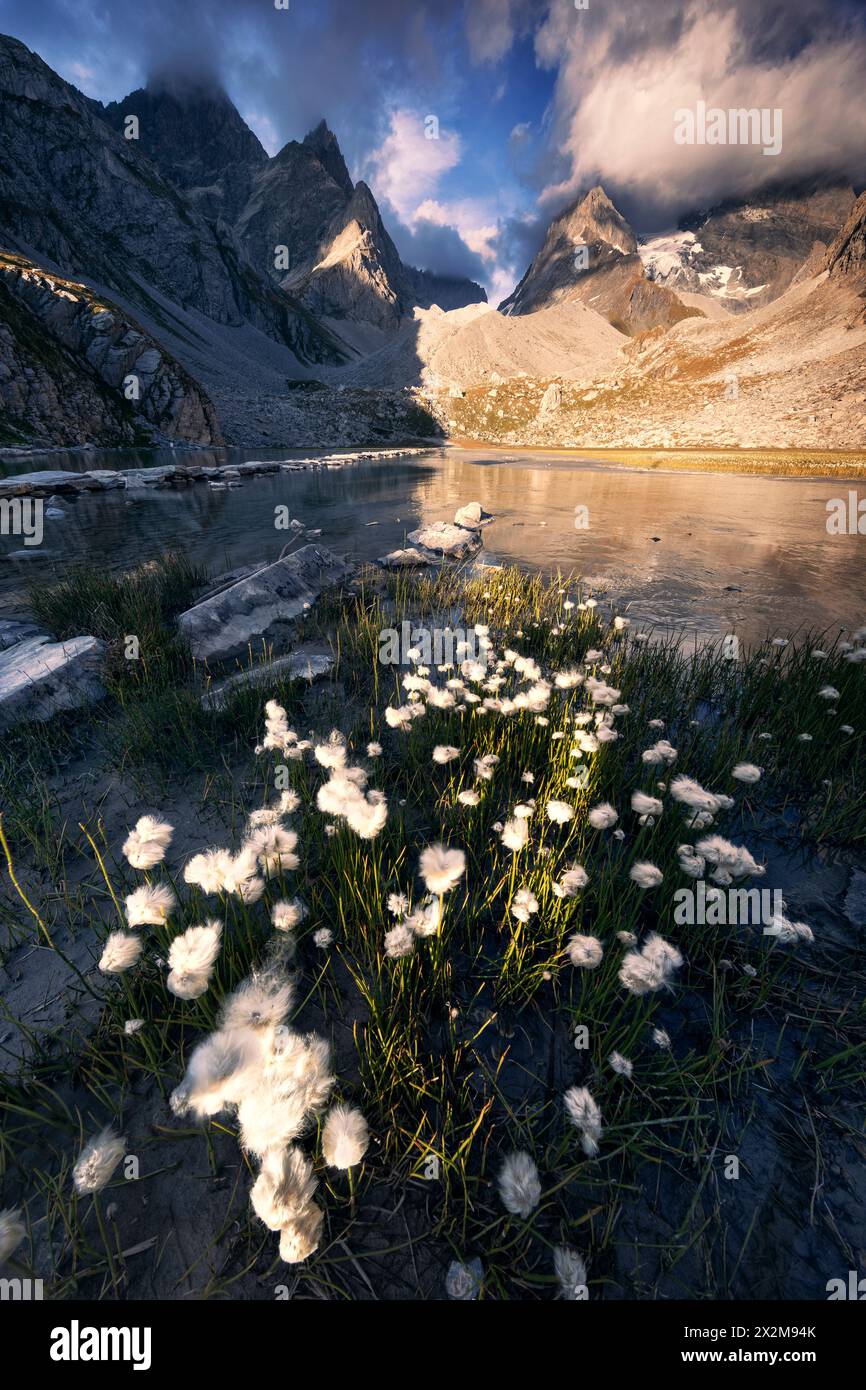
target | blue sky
x=535, y=99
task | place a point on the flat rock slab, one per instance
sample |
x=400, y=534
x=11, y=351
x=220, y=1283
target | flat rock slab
x=39, y=678
x=263, y=607
x=444, y=538
x=303, y=664
x=405, y=559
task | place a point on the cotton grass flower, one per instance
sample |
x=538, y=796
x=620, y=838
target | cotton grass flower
x=524, y=905
x=690, y=793
x=284, y=1188
x=786, y=932
x=567, y=680
x=485, y=766
x=515, y=834
x=299, y=1239
x=746, y=772
x=282, y=1198
x=585, y=1115
x=97, y=1161
x=621, y=1065
x=287, y=915
x=242, y=878
x=323, y=938
x=732, y=861
x=374, y=750
x=208, y=871
x=559, y=812
x=399, y=941
x=468, y=798
x=584, y=952
x=570, y=1272
x=661, y=752
x=441, y=868
x=149, y=906
x=646, y=805
x=191, y=959
x=603, y=816
x=343, y=795
x=691, y=863
x=145, y=846
x=445, y=753
x=571, y=882
x=120, y=952
x=661, y=1038
x=645, y=874
x=345, y=1137
x=399, y=718
x=274, y=848
x=651, y=968
x=332, y=752
x=12, y=1232
x=426, y=919
x=519, y=1184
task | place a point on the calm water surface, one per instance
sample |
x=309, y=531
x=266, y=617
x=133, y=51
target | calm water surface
x=709, y=553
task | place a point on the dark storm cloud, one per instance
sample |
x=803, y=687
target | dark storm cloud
x=334, y=58
x=430, y=246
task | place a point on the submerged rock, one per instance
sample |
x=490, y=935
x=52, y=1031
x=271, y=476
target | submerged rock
x=404, y=559
x=39, y=678
x=262, y=607
x=445, y=538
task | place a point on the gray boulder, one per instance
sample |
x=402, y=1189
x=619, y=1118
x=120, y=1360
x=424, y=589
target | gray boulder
x=262, y=608
x=303, y=664
x=472, y=516
x=552, y=399
x=39, y=678
x=444, y=538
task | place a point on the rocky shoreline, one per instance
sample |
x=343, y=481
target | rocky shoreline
x=48, y=482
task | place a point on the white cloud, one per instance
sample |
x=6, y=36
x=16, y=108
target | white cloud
x=489, y=29
x=456, y=235
x=408, y=166
x=615, y=106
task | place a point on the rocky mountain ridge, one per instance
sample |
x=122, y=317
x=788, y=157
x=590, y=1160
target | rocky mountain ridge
x=590, y=254
x=746, y=252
